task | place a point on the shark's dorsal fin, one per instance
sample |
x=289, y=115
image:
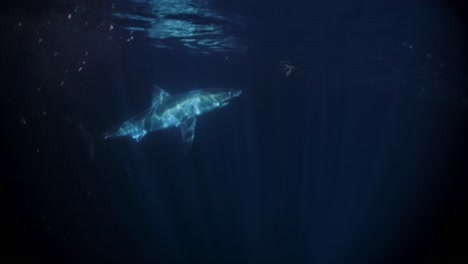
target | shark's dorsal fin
x=187, y=128
x=158, y=96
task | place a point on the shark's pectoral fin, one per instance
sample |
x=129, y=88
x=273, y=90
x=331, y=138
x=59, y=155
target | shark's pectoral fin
x=158, y=96
x=187, y=128
x=137, y=136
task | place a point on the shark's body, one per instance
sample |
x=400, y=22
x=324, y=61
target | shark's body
x=180, y=110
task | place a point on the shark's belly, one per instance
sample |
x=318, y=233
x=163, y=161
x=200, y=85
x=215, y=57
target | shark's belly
x=175, y=116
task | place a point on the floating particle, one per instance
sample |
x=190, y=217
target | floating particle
x=23, y=121
x=428, y=55
x=62, y=83
x=44, y=113
x=38, y=150
x=113, y=5
x=20, y=24
x=111, y=27
x=69, y=16
x=86, y=23
x=39, y=40
x=79, y=69
x=408, y=45
x=83, y=62
x=55, y=54
x=38, y=88
x=86, y=53
x=43, y=217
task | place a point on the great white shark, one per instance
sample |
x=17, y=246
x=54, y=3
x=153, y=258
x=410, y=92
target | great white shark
x=179, y=110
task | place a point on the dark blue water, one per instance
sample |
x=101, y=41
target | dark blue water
x=357, y=155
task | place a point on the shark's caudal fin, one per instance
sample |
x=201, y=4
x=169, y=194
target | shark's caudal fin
x=159, y=95
x=87, y=138
x=112, y=133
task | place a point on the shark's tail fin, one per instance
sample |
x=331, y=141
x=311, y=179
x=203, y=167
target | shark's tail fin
x=87, y=138
x=114, y=132
x=107, y=134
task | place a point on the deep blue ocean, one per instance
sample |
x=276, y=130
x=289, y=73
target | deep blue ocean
x=347, y=145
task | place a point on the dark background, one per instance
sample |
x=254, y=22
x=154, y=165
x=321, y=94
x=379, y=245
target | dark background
x=359, y=156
